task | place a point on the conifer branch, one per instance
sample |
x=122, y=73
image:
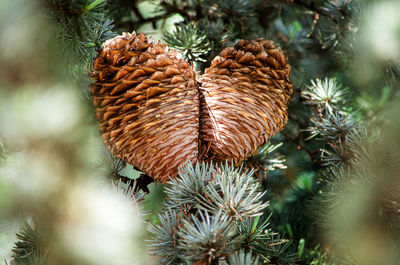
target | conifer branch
x=313, y=7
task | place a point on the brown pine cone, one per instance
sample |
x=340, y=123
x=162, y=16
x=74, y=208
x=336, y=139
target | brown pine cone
x=146, y=101
x=244, y=100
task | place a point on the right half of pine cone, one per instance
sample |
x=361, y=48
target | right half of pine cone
x=244, y=98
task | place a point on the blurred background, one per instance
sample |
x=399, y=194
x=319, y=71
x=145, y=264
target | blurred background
x=332, y=174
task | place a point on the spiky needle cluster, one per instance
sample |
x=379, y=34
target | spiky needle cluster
x=211, y=216
x=330, y=121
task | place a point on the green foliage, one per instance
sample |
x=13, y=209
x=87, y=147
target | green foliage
x=191, y=41
x=82, y=26
x=269, y=157
x=262, y=240
x=208, y=215
x=316, y=257
x=28, y=250
x=211, y=237
x=243, y=258
x=326, y=95
x=289, y=213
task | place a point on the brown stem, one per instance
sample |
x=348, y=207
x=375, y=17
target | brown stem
x=301, y=146
x=141, y=183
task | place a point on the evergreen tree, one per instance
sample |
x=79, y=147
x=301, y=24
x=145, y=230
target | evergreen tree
x=324, y=190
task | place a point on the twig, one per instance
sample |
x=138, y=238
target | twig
x=135, y=10
x=314, y=8
x=141, y=183
x=301, y=146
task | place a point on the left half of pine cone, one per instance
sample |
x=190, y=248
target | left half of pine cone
x=147, y=104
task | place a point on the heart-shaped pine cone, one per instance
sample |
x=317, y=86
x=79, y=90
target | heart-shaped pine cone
x=154, y=115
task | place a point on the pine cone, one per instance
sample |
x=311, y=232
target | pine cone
x=153, y=114
x=244, y=100
x=146, y=101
